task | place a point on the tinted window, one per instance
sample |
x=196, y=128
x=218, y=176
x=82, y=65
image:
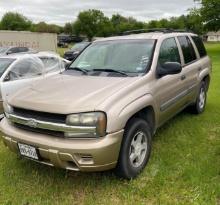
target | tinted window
x=23, y=49
x=14, y=50
x=169, y=52
x=200, y=46
x=187, y=48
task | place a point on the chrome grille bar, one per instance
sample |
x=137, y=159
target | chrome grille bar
x=60, y=127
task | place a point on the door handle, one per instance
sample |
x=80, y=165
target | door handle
x=183, y=77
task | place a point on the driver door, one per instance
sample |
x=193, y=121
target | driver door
x=170, y=93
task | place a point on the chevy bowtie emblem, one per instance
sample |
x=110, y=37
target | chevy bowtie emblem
x=31, y=123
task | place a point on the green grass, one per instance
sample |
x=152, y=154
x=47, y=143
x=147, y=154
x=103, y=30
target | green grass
x=61, y=51
x=184, y=167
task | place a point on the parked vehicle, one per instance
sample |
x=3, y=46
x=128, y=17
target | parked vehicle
x=33, y=40
x=66, y=38
x=62, y=44
x=13, y=49
x=102, y=112
x=18, y=71
x=76, y=50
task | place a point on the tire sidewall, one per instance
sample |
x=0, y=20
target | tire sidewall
x=200, y=110
x=136, y=125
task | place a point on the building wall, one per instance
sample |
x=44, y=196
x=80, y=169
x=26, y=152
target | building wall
x=37, y=41
x=213, y=38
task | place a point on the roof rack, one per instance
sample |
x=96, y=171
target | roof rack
x=159, y=30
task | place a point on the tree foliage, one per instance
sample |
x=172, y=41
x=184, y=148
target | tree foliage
x=15, y=21
x=68, y=28
x=210, y=13
x=92, y=23
x=46, y=28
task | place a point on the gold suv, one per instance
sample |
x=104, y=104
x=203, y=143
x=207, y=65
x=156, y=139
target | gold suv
x=102, y=111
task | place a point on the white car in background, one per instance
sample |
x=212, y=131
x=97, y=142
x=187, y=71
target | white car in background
x=15, y=49
x=21, y=70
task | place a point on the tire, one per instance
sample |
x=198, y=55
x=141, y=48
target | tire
x=200, y=103
x=136, y=141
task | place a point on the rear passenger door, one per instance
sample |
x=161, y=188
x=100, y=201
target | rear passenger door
x=191, y=67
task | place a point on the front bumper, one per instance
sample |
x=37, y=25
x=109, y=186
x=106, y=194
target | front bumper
x=71, y=154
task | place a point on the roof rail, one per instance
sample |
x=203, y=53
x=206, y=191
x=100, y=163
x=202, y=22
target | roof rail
x=159, y=30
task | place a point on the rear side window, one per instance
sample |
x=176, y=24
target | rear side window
x=14, y=50
x=169, y=52
x=187, y=48
x=23, y=49
x=200, y=46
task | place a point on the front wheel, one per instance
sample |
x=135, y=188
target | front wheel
x=135, y=149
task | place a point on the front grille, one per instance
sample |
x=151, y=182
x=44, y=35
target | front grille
x=38, y=130
x=43, y=116
x=46, y=123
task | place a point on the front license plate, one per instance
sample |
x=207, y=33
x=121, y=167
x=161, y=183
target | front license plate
x=28, y=151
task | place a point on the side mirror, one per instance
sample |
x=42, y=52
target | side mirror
x=7, y=78
x=169, y=68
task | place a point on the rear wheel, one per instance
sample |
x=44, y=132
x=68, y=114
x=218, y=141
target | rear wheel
x=200, y=104
x=135, y=149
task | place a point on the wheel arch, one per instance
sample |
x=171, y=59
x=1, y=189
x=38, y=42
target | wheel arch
x=206, y=79
x=148, y=114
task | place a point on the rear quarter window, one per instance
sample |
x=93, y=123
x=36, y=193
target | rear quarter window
x=200, y=46
x=187, y=49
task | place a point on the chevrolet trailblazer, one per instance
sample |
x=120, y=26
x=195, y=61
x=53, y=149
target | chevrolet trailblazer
x=102, y=112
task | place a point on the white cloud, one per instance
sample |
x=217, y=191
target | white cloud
x=60, y=12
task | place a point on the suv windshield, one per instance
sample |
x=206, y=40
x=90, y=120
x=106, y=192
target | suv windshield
x=129, y=56
x=4, y=63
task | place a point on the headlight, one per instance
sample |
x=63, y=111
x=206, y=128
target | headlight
x=7, y=108
x=95, y=120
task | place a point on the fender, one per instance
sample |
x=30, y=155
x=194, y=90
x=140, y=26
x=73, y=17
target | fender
x=204, y=73
x=131, y=109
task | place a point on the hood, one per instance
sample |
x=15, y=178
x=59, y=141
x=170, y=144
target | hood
x=65, y=93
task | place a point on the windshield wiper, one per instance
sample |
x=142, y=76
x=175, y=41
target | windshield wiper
x=111, y=71
x=78, y=69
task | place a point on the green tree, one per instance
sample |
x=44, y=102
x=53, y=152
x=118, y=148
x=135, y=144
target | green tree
x=210, y=13
x=47, y=28
x=68, y=28
x=91, y=23
x=15, y=21
x=194, y=21
x=121, y=24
